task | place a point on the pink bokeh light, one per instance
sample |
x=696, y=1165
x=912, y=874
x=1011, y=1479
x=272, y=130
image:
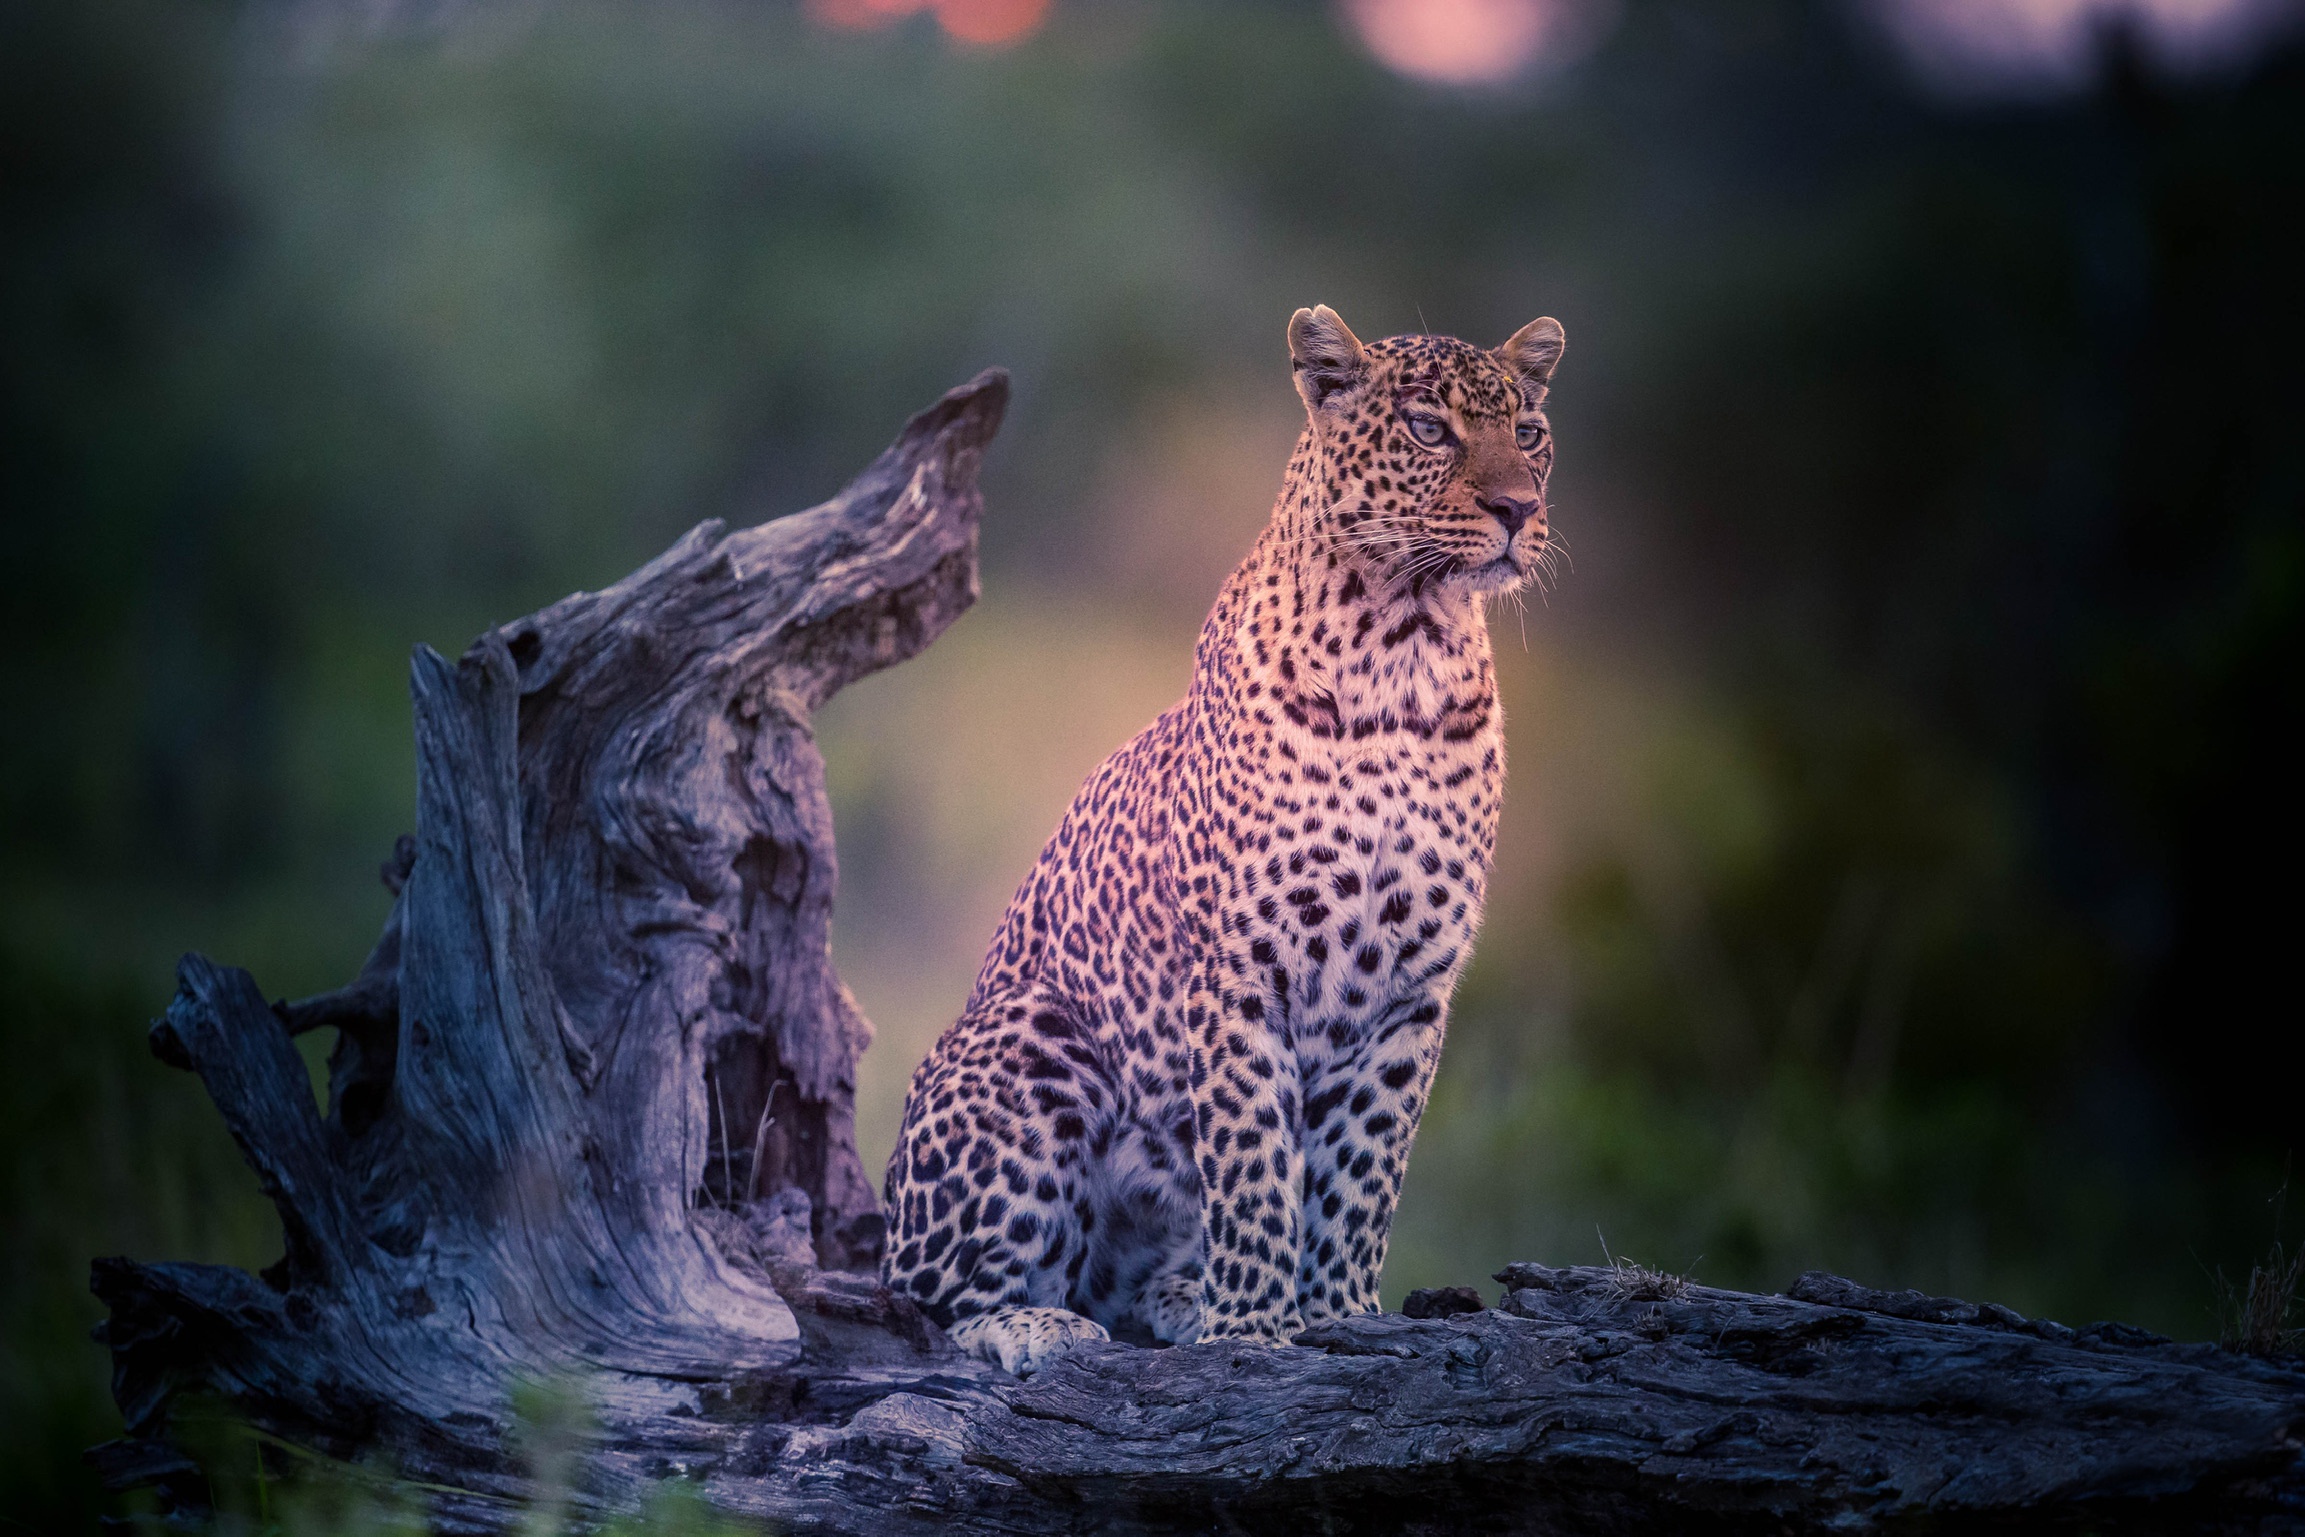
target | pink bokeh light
x=1476, y=42
x=985, y=23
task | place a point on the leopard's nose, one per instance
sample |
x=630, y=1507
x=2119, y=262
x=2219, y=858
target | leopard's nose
x=1513, y=511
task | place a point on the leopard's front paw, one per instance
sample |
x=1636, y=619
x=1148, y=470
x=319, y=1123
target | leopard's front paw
x=1023, y=1340
x=1176, y=1309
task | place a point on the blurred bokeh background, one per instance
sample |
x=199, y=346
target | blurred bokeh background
x=1899, y=873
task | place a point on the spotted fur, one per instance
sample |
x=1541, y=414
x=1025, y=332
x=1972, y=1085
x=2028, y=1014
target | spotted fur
x=1180, y=1100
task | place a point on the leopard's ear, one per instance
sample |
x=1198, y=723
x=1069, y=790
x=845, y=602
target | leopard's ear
x=1534, y=350
x=1326, y=355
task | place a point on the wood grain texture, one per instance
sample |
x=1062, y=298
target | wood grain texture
x=590, y=1117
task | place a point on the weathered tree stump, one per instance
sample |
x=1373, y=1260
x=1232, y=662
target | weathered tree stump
x=590, y=1113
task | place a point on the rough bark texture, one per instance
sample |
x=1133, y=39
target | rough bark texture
x=590, y=1115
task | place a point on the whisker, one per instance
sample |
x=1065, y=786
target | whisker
x=1422, y=566
x=1512, y=595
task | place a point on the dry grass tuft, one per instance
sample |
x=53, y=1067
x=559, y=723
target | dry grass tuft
x=1631, y=1281
x=2256, y=1313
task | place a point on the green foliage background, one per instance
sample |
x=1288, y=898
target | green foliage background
x=1899, y=876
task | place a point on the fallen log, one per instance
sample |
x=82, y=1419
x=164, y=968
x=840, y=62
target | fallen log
x=590, y=1118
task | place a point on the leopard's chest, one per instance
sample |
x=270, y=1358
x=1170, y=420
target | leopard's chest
x=1361, y=886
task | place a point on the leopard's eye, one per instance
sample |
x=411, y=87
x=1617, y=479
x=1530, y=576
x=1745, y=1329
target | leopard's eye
x=1429, y=430
x=1529, y=436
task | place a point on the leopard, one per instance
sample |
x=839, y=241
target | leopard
x=1178, y=1104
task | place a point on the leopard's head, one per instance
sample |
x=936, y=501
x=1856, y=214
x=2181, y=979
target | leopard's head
x=1431, y=455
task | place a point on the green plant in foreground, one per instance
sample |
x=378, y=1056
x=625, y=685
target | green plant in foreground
x=262, y=1486
x=554, y=1430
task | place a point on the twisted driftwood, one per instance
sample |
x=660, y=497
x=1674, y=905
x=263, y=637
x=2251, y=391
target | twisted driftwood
x=590, y=1112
